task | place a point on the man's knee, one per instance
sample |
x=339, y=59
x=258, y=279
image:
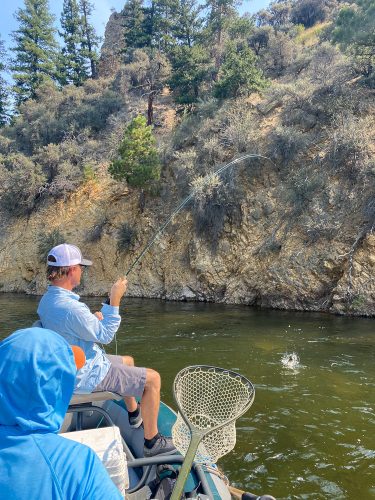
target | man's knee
x=153, y=379
x=128, y=360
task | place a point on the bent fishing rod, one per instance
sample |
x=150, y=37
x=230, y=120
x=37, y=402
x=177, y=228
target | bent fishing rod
x=204, y=182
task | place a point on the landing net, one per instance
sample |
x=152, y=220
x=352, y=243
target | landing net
x=209, y=400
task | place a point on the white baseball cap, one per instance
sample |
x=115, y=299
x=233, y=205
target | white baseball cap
x=65, y=255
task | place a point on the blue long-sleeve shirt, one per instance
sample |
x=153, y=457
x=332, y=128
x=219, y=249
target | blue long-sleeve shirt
x=61, y=311
x=37, y=374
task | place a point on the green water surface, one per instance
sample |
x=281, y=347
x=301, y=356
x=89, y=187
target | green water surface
x=310, y=433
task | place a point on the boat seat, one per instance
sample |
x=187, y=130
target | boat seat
x=81, y=404
x=80, y=399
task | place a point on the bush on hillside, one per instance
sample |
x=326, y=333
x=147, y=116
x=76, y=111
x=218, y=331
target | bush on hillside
x=280, y=53
x=126, y=237
x=61, y=164
x=95, y=233
x=301, y=190
x=213, y=209
x=239, y=130
x=57, y=113
x=350, y=149
x=21, y=183
x=185, y=134
x=286, y=144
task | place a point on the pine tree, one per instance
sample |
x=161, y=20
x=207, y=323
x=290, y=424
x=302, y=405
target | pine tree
x=158, y=23
x=135, y=34
x=188, y=24
x=219, y=16
x=35, y=49
x=72, y=61
x=90, y=40
x=238, y=74
x=4, y=92
x=191, y=67
x=138, y=160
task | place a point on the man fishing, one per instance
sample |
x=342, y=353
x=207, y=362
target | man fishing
x=61, y=311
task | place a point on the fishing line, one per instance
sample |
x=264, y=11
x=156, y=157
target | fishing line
x=204, y=182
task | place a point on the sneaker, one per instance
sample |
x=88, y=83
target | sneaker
x=136, y=422
x=162, y=446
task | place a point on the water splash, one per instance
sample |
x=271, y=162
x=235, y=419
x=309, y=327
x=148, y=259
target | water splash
x=290, y=361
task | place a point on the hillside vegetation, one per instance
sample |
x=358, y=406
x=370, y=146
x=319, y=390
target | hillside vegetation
x=294, y=84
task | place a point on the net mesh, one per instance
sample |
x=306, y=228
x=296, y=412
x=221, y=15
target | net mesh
x=209, y=397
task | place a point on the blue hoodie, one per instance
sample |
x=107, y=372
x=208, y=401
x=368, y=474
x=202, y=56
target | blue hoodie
x=37, y=376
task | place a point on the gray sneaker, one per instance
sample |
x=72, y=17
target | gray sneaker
x=136, y=422
x=164, y=445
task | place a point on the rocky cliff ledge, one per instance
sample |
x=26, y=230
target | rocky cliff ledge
x=180, y=266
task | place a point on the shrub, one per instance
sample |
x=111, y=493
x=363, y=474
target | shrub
x=286, y=144
x=281, y=52
x=211, y=212
x=239, y=129
x=95, y=233
x=21, y=183
x=350, y=147
x=61, y=166
x=48, y=240
x=126, y=237
x=54, y=114
x=89, y=173
x=302, y=188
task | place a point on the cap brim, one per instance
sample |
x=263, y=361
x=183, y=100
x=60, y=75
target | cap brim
x=85, y=262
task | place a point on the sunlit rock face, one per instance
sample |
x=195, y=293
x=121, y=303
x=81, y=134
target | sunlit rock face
x=181, y=266
x=355, y=291
x=110, y=54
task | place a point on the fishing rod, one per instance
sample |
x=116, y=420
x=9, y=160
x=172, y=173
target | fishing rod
x=205, y=181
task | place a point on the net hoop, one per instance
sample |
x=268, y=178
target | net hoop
x=209, y=400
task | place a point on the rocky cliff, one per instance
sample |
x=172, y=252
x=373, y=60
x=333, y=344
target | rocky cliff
x=181, y=266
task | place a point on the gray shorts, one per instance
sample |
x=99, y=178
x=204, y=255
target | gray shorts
x=122, y=379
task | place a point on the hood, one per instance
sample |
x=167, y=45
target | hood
x=37, y=376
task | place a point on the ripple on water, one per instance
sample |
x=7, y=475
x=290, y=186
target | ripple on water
x=328, y=487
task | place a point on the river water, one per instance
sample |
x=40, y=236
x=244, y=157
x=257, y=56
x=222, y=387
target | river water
x=310, y=433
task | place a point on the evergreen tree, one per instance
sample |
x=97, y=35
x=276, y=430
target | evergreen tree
x=158, y=24
x=138, y=160
x=4, y=92
x=90, y=40
x=238, y=74
x=188, y=24
x=219, y=16
x=72, y=61
x=35, y=49
x=135, y=34
x=190, y=68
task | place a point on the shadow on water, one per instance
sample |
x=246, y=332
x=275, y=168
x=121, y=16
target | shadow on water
x=310, y=431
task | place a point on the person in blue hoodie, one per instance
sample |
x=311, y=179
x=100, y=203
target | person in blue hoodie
x=37, y=377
